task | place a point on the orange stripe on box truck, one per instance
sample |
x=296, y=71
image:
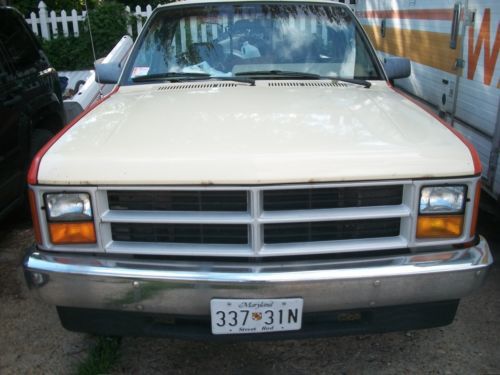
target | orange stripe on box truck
x=418, y=14
x=423, y=47
x=483, y=41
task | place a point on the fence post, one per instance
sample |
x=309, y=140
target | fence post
x=34, y=23
x=64, y=20
x=194, y=29
x=42, y=12
x=138, y=15
x=74, y=20
x=183, y=35
x=129, y=24
x=53, y=21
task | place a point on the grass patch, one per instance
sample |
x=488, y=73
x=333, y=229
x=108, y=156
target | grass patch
x=102, y=357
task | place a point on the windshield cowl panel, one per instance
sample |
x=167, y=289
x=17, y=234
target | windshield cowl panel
x=252, y=40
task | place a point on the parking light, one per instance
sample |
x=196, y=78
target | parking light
x=72, y=233
x=440, y=226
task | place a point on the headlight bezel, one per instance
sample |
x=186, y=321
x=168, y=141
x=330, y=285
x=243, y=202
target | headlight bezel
x=73, y=223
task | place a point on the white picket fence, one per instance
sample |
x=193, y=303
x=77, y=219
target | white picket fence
x=49, y=25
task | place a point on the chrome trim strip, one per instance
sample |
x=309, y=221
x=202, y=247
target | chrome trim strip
x=186, y=287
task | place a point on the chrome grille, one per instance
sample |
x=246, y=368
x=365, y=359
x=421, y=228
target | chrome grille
x=255, y=221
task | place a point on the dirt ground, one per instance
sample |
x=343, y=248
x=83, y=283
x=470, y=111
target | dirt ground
x=32, y=340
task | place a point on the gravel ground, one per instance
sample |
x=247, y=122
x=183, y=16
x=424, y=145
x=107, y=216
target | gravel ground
x=32, y=340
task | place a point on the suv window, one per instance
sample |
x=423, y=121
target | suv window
x=17, y=41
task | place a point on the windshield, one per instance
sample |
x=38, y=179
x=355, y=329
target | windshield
x=252, y=39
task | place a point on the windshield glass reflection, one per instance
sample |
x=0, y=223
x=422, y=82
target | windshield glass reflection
x=228, y=40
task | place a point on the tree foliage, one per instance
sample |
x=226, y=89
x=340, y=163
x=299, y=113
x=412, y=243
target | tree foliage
x=108, y=20
x=28, y=6
x=109, y=24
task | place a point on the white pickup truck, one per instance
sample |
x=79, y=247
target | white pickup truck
x=255, y=175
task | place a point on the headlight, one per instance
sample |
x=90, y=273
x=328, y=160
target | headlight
x=70, y=218
x=441, y=213
x=68, y=207
x=442, y=199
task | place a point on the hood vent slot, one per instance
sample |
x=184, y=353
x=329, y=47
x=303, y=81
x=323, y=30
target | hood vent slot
x=194, y=86
x=307, y=84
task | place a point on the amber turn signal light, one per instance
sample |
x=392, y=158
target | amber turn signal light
x=440, y=226
x=72, y=233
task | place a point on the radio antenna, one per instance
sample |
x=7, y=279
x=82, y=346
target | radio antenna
x=93, y=48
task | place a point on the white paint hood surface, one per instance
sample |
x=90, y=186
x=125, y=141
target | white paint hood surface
x=253, y=135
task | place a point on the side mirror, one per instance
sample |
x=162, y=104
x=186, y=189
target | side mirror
x=397, y=67
x=107, y=72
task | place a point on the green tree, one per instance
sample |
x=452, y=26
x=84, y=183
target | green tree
x=28, y=6
x=109, y=23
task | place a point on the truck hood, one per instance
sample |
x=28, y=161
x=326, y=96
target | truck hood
x=206, y=133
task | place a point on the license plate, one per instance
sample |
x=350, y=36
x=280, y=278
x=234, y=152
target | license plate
x=241, y=316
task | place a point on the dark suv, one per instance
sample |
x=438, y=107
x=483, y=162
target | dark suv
x=31, y=110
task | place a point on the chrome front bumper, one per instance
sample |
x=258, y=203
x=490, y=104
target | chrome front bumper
x=186, y=288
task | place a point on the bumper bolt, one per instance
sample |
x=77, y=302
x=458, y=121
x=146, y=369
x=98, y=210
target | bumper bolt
x=135, y=284
x=376, y=283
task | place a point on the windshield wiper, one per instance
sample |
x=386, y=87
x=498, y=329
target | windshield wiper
x=356, y=81
x=303, y=75
x=176, y=77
